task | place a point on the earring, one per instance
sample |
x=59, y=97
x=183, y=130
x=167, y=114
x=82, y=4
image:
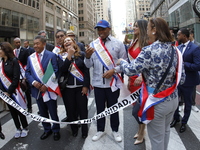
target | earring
x=153, y=33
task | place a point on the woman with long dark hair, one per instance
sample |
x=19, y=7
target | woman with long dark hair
x=134, y=82
x=9, y=84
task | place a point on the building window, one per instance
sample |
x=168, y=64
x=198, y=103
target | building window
x=22, y=21
x=58, y=9
x=81, y=18
x=15, y=19
x=6, y=17
x=58, y=22
x=81, y=33
x=49, y=5
x=80, y=12
x=49, y=20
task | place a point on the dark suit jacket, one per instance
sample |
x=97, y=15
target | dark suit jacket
x=191, y=59
x=79, y=61
x=49, y=47
x=30, y=74
x=12, y=71
x=23, y=56
x=81, y=46
x=30, y=50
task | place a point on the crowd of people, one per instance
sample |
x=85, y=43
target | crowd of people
x=167, y=74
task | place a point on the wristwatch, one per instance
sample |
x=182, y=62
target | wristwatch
x=196, y=7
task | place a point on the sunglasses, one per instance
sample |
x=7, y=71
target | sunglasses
x=58, y=36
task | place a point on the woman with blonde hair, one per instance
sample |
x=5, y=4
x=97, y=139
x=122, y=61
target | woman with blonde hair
x=75, y=76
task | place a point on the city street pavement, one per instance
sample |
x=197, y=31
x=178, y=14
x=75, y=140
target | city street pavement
x=189, y=140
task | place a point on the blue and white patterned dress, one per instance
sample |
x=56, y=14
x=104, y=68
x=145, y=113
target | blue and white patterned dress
x=152, y=62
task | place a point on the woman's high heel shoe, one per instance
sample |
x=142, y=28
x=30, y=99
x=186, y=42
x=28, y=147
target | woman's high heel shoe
x=135, y=136
x=139, y=141
x=2, y=136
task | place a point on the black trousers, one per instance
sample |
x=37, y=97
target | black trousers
x=186, y=92
x=28, y=98
x=76, y=105
x=18, y=117
x=105, y=96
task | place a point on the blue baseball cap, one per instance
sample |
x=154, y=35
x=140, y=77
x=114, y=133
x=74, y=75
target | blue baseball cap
x=102, y=24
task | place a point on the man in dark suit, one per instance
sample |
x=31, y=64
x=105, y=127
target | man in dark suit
x=22, y=54
x=48, y=46
x=46, y=99
x=70, y=33
x=191, y=59
x=30, y=49
x=191, y=38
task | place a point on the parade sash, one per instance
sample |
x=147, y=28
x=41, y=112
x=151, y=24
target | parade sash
x=19, y=95
x=107, y=61
x=75, y=71
x=39, y=72
x=148, y=100
x=56, y=50
x=22, y=68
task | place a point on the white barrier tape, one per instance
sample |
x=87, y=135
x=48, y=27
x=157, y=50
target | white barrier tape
x=111, y=110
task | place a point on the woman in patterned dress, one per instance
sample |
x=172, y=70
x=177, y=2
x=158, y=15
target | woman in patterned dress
x=158, y=102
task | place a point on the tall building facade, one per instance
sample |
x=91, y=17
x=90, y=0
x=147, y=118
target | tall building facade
x=86, y=14
x=24, y=18
x=101, y=9
x=142, y=9
x=178, y=14
x=130, y=12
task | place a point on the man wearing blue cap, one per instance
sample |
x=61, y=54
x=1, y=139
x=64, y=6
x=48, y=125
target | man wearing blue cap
x=102, y=55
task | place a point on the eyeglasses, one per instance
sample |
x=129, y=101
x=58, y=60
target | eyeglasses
x=60, y=36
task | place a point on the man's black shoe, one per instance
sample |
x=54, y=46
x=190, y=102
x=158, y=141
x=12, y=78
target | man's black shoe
x=75, y=134
x=182, y=128
x=56, y=136
x=2, y=136
x=173, y=123
x=45, y=135
x=30, y=110
x=64, y=119
x=84, y=136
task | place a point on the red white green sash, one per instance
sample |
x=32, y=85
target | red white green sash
x=107, y=61
x=39, y=72
x=148, y=100
x=19, y=95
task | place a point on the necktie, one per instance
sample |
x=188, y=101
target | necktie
x=40, y=56
x=17, y=53
x=181, y=48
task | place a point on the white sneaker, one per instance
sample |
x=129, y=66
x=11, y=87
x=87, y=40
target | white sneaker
x=17, y=134
x=194, y=108
x=24, y=133
x=98, y=135
x=117, y=136
x=180, y=108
